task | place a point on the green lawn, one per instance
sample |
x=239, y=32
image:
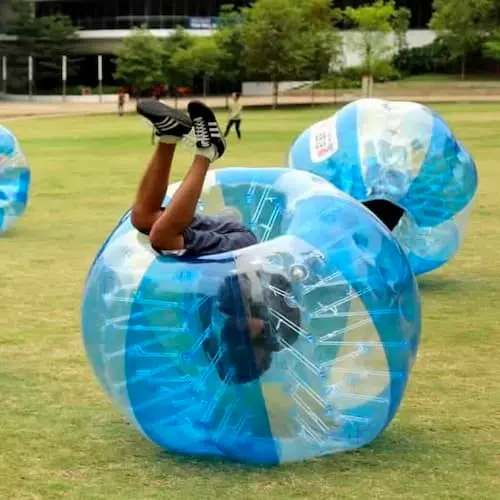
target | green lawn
x=60, y=437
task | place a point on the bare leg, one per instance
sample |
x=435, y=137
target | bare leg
x=167, y=232
x=152, y=189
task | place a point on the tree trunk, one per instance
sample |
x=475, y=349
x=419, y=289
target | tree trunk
x=312, y=95
x=464, y=66
x=205, y=85
x=275, y=93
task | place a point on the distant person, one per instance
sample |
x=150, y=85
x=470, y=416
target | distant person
x=121, y=102
x=235, y=112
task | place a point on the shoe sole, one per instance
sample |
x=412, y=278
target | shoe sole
x=152, y=109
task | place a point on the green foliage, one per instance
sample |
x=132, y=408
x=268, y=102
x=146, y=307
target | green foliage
x=374, y=23
x=432, y=58
x=462, y=25
x=57, y=38
x=373, y=18
x=140, y=60
x=322, y=51
x=338, y=80
x=46, y=39
x=351, y=78
x=203, y=56
x=400, y=25
x=230, y=45
x=200, y=57
x=175, y=71
x=319, y=14
x=273, y=40
x=291, y=38
x=491, y=47
x=322, y=45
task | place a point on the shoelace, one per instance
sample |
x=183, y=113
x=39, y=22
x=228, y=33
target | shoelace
x=202, y=132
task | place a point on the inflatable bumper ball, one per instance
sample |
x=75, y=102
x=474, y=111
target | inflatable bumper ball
x=403, y=161
x=297, y=347
x=14, y=180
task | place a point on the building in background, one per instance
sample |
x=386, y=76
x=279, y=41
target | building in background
x=95, y=15
x=103, y=24
x=164, y=14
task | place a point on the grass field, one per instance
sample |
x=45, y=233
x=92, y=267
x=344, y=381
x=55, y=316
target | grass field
x=60, y=437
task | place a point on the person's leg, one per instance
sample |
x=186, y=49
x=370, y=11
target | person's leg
x=152, y=189
x=168, y=229
x=229, y=127
x=170, y=126
x=167, y=232
x=238, y=129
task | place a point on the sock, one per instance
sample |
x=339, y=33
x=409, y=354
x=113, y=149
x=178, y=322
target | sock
x=169, y=139
x=209, y=153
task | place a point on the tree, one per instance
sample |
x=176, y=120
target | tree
x=175, y=70
x=400, y=25
x=273, y=41
x=374, y=23
x=322, y=44
x=462, y=26
x=45, y=38
x=491, y=47
x=4, y=15
x=230, y=45
x=140, y=60
x=57, y=38
x=200, y=57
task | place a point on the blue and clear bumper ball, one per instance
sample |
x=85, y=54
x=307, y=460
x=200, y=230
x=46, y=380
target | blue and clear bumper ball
x=14, y=180
x=169, y=337
x=403, y=153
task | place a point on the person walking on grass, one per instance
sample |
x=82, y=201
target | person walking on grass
x=235, y=115
x=254, y=329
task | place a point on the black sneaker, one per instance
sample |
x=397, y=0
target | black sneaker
x=206, y=128
x=166, y=121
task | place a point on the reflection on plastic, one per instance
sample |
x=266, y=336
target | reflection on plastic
x=294, y=348
x=404, y=153
x=14, y=180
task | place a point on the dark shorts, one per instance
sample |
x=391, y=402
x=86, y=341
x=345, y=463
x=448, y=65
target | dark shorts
x=212, y=235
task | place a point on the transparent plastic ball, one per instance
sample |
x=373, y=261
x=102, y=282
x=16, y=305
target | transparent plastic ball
x=404, y=161
x=294, y=348
x=14, y=180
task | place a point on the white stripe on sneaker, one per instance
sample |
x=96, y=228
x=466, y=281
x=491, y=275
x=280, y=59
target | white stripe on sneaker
x=167, y=122
x=167, y=119
x=167, y=128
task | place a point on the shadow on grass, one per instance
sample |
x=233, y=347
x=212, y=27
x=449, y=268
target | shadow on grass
x=389, y=451
x=9, y=234
x=444, y=285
